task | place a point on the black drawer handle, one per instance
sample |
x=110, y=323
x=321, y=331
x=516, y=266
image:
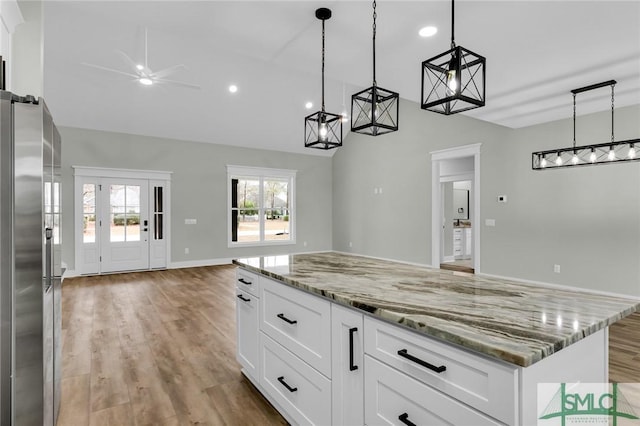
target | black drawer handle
x=404, y=418
x=285, y=319
x=242, y=280
x=403, y=353
x=351, y=332
x=289, y=388
x=243, y=298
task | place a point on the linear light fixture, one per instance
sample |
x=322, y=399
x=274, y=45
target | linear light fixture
x=374, y=111
x=602, y=153
x=323, y=130
x=453, y=81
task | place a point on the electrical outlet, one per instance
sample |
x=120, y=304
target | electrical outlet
x=190, y=221
x=186, y=250
x=304, y=244
x=490, y=222
x=556, y=269
x=502, y=198
x=350, y=244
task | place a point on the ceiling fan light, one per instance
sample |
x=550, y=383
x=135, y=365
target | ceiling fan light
x=145, y=81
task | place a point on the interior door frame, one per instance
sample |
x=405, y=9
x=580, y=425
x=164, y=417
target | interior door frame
x=80, y=173
x=472, y=150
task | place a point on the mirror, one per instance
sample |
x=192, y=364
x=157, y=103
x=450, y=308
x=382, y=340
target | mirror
x=460, y=204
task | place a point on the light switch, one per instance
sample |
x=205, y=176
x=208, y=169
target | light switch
x=490, y=222
x=190, y=221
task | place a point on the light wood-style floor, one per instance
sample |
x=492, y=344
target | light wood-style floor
x=155, y=348
x=158, y=348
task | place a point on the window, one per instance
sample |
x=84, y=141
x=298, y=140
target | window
x=261, y=206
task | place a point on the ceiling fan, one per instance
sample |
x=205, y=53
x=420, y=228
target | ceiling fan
x=143, y=74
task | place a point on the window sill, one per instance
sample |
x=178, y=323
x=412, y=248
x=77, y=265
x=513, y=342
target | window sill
x=261, y=244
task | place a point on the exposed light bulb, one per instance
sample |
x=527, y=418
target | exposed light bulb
x=632, y=152
x=146, y=81
x=323, y=132
x=543, y=162
x=559, y=160
x=345, y=116
x=612, y=154
x=452, y=83
x=575, y=160
x=593, y=156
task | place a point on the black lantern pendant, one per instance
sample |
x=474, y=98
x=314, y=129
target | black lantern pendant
x=453, y=81
x=374, y=111
x=323, y=130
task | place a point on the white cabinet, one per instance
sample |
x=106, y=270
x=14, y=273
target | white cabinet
x=394, y=398
x=247, y=315
x=347, y=366
x=298, y=321
x=462, y=243
x=488, y=386
x=299, y=389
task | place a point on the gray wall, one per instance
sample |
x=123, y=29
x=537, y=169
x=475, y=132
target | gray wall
x=26, y=50
x=199, y=189
x=587, y=219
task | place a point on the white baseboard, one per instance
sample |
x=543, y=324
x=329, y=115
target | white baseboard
x=449, y=259
x=198, y=263
x=70, y=273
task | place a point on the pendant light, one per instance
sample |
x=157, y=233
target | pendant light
x=603, y=153
x=453, y=81
x=323, y=130
x=374, y=111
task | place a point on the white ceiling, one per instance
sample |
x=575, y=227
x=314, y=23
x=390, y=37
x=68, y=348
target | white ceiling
x=537, y=51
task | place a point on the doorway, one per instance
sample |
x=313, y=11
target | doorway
x=456, y=209
x=121, y=220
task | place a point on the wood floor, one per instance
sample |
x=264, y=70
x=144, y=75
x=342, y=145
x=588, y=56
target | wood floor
x=155, y=348
x=158, y=348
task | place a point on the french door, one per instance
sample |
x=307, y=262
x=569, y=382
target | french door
x=121, y=224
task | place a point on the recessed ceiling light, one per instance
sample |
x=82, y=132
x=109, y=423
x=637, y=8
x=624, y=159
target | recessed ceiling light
x=308, y=105
x=233, y=88
x=140, y=67
x=146, y=81
x=428, y=31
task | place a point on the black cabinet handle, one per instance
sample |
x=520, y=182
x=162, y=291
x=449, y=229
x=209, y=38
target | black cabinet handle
x=403, y=353
x=404, y=418
x=289, y=388
x=351, y=332
x=243, y=281
x=243, y=298
x=285, y=319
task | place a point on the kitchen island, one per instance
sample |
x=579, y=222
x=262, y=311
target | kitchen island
x=473, y=349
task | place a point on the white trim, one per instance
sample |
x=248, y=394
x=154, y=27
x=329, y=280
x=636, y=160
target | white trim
x=472, y=150
x=261, y=173
x=456, y=178
x=121, y=173
x=199, y=263
x=560, y=286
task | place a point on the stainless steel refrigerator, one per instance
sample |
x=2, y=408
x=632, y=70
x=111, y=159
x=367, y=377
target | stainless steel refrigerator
x=30, y=264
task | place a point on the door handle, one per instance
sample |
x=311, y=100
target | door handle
x=351, y=332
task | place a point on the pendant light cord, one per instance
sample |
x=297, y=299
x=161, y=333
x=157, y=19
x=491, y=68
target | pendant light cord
x=612, y=99
x=453, y=43
x=323, y=65
x=574, y=120
x=375, y=15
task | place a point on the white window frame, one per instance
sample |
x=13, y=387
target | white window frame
x=260, y=174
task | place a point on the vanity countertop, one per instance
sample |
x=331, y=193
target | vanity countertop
x=508, y=320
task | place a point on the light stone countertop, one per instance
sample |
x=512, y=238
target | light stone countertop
x=514, y=322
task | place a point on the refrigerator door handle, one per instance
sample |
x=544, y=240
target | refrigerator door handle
x=48, y=281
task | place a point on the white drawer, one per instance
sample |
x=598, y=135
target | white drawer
x=393, y=398
x=301, y=322
x=248, y=281
x=300, y=390
x=487, y=385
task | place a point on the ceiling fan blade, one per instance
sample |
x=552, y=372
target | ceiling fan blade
x=129, y=61
x=176, y=83
x=110, y=70
x=168, y=71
